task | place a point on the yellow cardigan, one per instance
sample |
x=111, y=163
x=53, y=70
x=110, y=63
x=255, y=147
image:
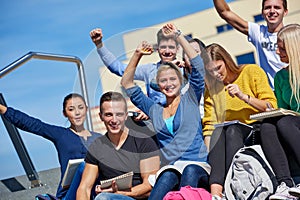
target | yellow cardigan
x=220, y=107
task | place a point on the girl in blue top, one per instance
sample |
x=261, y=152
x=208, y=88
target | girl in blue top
x=70, y=143
x=178, y=123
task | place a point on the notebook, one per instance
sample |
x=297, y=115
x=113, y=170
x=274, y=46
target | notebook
x=227, y=123
x=124, y=181
x=70, y=172
x=273, y=113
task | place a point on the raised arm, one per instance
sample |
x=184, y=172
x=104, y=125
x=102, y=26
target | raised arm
x=196, y=79
x=230, y=17
x=171, y=30
x=30, y=124
x=113, y=64
x=143, y=49
x=2, y=109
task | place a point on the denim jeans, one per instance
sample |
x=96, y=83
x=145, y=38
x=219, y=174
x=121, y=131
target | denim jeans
x=171, y=180
x=112, y=196
x=71, y=194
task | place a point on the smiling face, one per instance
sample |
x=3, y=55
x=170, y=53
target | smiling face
x=169, y=82
x=273, y=12
x=113, y=115
x=281, y=51
x=75, y=110
x=167, y=50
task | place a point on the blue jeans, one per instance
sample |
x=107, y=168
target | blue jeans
x=71, y=194
x=112, y=196
x=171, y=180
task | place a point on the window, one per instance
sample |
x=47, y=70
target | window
x=258, y=18
x=247, y=58
x=224, y=28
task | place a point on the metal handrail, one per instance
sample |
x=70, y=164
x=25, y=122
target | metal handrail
x=47, y=56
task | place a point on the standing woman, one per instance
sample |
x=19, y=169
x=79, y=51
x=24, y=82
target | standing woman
x=232, y=93
x=283, y=132
x=178, y=123
x=70, y=143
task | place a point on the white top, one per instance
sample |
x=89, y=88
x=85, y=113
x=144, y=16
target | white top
x=266, y=45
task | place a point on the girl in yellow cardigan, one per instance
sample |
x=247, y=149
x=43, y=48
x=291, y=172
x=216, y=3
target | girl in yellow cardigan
x=232, y=93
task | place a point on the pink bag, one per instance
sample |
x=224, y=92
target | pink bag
x=188, y=193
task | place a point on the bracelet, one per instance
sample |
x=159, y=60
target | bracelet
x=177, y=33
x=248, y=100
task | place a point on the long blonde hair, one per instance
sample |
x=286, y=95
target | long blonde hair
x=290, y=36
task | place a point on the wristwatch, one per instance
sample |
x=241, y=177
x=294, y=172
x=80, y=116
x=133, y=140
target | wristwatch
x=177, y=33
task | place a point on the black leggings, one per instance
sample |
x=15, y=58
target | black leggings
x=225, y=142
x=280, y=135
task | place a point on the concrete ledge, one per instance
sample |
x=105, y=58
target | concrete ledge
x=20, y=187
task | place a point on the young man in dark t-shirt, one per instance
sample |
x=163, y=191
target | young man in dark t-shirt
x=119, y=151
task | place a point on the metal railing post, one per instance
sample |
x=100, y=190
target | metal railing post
x=13, y=131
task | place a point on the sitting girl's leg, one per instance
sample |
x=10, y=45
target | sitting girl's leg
x=274, y=151
x=216, y=159
x=195, y=176
x=167, y=181
x=235, y=137
x=289, y=132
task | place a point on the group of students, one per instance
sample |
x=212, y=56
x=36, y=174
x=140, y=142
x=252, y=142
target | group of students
x=231, y=92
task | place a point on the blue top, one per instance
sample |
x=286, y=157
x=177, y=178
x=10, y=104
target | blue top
x=187, y=141
x=68, y=144
x=169, y=124
x=146, y=73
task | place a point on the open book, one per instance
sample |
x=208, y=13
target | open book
x=179, y=166
x=273, y=113
x=70, y=172
x=227, y=123
x=124, y=181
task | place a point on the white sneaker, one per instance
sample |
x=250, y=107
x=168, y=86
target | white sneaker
x=295, y=191
x=282, y=193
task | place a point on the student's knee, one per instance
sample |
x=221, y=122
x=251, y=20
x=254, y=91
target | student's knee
x=233, y=132
x=191, y=170
x=285, y=121
x=169, y=176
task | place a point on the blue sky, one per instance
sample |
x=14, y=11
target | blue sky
x=62, y=27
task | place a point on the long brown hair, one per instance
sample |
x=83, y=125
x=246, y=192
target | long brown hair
x=217, y=52
x=215, y=88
